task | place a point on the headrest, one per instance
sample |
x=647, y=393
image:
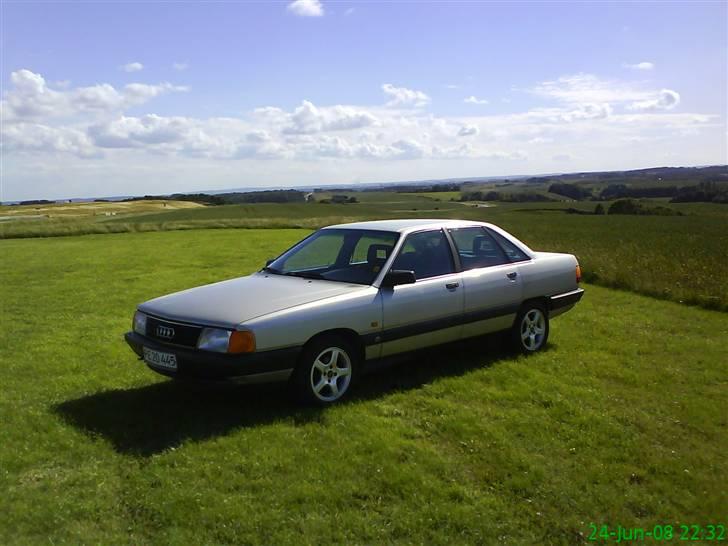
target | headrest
x=378, y=253
x=478, y=244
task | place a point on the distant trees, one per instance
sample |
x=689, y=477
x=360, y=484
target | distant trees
x=514, y=197
x=630, y=206
x=708, y=191
x=422, y=189
x=199, y=198
x=599, y=209
x=36, y=202
x=619, y=191
x=267, y=196
x=572, y=191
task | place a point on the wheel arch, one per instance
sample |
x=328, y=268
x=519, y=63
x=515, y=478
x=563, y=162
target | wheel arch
x=543, y=301
x=348, y=334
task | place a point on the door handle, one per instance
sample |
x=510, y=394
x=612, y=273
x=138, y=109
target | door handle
x=452, y=285
x=512, y=275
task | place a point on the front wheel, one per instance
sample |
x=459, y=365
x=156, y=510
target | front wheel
x=531, y=328
x=325, y=371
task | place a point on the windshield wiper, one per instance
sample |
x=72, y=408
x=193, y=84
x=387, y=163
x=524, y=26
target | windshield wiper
x=269, y=269
x=305, y=274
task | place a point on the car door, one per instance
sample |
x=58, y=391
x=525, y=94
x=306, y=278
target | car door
x=429, y=311
x=492, y=285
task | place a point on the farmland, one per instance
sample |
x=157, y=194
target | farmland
x=621, y=421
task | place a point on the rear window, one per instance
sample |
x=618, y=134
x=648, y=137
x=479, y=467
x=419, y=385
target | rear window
x=476, y=248
x=514, y=253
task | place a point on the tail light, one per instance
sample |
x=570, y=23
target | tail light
x=578, y=273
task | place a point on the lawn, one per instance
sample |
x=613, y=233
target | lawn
x=622, y=420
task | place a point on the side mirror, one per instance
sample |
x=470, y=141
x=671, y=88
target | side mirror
x=398, y=276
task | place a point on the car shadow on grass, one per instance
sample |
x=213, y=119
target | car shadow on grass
x=147, y=420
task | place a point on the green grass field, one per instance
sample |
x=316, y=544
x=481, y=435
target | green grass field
x=622, y=420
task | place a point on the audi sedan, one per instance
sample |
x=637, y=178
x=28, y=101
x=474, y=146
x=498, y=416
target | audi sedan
x=351, y=294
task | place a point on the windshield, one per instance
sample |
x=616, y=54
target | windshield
x=345, y=255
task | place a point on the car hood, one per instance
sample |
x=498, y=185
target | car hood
x=228, y=303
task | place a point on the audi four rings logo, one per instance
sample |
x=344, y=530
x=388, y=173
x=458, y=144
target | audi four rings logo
x=165, y=331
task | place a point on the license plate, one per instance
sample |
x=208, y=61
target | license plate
x=161, y=360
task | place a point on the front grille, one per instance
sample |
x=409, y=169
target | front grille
x=173, y=332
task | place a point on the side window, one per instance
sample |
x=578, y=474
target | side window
x=427, y=254
x=514, y=253
x=477, y=248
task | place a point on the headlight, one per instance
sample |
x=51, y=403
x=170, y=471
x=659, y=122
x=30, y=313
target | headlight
x=225, y=341
x=213, y=339
x=139, y=324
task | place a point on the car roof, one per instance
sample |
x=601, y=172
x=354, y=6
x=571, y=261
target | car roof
x=406, y=225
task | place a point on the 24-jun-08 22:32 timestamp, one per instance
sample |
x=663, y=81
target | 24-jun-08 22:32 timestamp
x=714, y=532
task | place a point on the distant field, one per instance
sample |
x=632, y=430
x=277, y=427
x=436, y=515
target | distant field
x=101, y=209
x=681, y=258
x=436, y=195
x=621, y=421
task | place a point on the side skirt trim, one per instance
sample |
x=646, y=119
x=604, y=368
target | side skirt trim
x=424, y=327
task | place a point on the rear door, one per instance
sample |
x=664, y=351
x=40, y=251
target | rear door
x=492, y=285
x=428, y=312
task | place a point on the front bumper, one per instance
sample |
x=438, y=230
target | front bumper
x=208, y=365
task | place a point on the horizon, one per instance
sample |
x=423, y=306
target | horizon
x=352, y=186
x=102, y=100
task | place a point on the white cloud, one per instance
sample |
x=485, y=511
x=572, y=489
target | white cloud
x=131, y=132
x=468, y=130
x=540, y=140
x=667, y=99
x=96, y=97
x=36, y=137
x=180, y=67
x=138, y=93
x=592, y=96
x=588, y=111
x=644, y=65
x=588, y=88
x=31, y=98
x=132, y=67
x=408, y=149
x=307, y=119
x=401, y=96
x=452, y=86
x=474, y=100
x=306, y=8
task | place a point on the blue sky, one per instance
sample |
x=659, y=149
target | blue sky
x=107, y=98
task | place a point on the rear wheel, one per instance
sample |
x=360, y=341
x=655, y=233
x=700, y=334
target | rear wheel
x=531, y=328
x=325, y=371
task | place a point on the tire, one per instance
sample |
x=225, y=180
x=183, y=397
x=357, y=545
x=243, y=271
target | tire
x=325, y=371
x=530, y=330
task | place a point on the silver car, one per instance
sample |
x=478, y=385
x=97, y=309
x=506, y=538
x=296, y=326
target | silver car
x=353, y=293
